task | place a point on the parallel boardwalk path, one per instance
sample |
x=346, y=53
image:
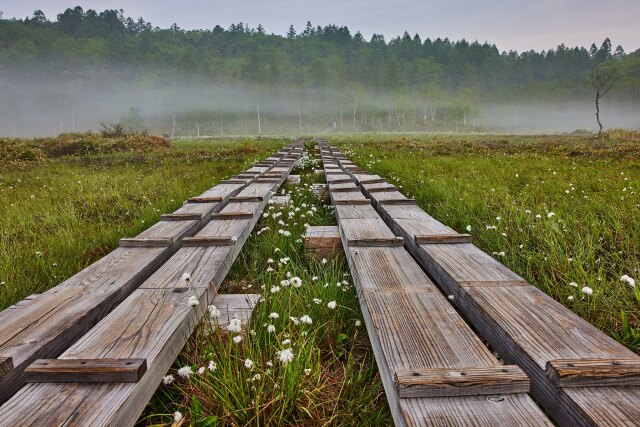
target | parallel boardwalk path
x=578, y=374
x=151, y=318
x=434, y=369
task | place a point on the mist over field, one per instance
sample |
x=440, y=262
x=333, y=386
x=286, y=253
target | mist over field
x=86, y=68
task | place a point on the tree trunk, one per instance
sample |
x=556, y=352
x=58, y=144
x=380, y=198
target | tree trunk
x=598, y=112
x=259, y=125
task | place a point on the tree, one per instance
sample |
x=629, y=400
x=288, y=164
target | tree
x=291, y=34
x=602, y=79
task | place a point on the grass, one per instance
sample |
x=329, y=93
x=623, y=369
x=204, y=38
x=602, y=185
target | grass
x=332, y=378
x=62, y=213
x=563, y=212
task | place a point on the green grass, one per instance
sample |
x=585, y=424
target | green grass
x=61, y=214
x=332, y=379
x=565, y=209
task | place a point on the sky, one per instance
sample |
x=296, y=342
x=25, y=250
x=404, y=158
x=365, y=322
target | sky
x=509, y=24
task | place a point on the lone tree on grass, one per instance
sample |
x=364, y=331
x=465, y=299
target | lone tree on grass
x=602, y=79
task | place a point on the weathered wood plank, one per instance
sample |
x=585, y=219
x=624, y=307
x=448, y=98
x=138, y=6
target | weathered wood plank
x=352, y=202
x=135, y=242
x=85, y=370
x=594, y=372
x=181, y=217
x=209, y=241
x=375, y=242
x=322, y=241
x=6, y=365
x=244, y=199
x=475, y=381
x=201, y=199
x=443, y=239
x=224, y=216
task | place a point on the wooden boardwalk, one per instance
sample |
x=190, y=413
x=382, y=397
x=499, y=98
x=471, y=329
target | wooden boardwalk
x=578, y=374
x=434, y=368
x=131, y=305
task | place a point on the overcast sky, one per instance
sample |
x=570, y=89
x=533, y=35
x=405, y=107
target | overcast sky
x=510, y=24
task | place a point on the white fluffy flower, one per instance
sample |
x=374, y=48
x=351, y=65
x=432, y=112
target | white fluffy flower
x=235, y=326
x=237, y=339
x=248, y=363
x=274, y=315
x=551, y=215
x=570, y=297
x=307, y=371
x=193, y=301
x=469, y=228
x=573, y=284
x=177, y=416
x=324, y=260
x=271, y=329
x=212, y=366
x=306, y=319
x=214, y=312
x=587, y=290
x=275, y=289
x=317, y=300
x=167, y=379
x=185, y=371
x=629, y=280
x=331, y=304
x=186, y=277
x=285, y=283
x=201, y=370
x=296, y=282
x=358, y=323
x=285, y=356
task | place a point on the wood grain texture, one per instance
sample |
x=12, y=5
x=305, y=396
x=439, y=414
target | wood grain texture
x=181, y=217
x=204, y=199
x=86, y=371
x=209, y=241
x=594, y=372
x=223, y=216
x=136, y=242
x=6, y=366
x=362, y=201
x=375, y=242
x=443, y=382
x=439, y=239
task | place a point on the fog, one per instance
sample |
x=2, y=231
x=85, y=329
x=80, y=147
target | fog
x=36, y=106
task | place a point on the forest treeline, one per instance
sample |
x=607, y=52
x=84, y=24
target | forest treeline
x=92, y=45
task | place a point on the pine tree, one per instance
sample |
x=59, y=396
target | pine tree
x=291, y=34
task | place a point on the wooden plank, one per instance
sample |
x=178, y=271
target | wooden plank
x=6, y=365
x=353, y=189
x=232, y=306
x=205, y=199
x=352, y=202
x=381, y=189
x=86, y=370
x=181, y=217
x=209, y=241
x=134, y=242
x=405, y=201
x=234, y=181
x=474, y=381
x=375, y=242
x=223, y=216
x=594, y=372
x=493, y=283
x=243, y=199
x=439, y=239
